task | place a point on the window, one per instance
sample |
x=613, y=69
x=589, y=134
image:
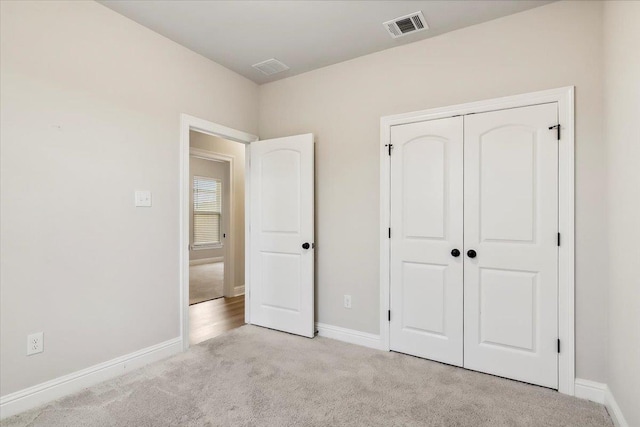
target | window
x=207, y=211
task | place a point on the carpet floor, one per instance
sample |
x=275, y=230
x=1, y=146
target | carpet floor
x=258, y=377
x=206, y=282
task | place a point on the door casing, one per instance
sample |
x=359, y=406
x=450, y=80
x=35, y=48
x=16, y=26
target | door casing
x=566, y=210
x=189, y=123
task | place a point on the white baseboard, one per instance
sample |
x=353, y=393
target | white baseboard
x=206, y=260
x=614, y=410
x=349, y=335
x=40, y=394
x=600, y=393
x=238, y=290
x=590, y=390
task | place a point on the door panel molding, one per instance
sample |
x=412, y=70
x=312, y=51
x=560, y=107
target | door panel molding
x=564, y=97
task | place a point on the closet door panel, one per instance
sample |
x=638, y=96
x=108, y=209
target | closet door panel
x=426, y=225
x=511, y=223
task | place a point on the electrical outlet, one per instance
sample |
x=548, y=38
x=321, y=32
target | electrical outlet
x=35, y=343
x=143, y=198
x=347, y=301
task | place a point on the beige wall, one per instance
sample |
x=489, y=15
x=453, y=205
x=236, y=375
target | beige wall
x=210, y=169
x=548, y=47
x=622, y=134
x=90, y=113
x=236, y=150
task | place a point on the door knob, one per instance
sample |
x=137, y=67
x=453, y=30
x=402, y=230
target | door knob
x=306, y=245
x=471, y=253
x=455, y=253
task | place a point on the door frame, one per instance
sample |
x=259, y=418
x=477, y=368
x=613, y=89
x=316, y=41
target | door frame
x=566, y=209
x=189, y=123
x=228, y=245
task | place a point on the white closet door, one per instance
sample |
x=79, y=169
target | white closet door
x=426, y=226
x=281, y=215
x=511, y=222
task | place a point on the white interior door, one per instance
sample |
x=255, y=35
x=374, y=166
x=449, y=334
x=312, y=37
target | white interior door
x=426, y=231
x=511, y=225
x=282, y=234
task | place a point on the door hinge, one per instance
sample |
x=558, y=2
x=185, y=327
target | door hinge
x=558, y=345
x=389, y=147
x=557, y=127
x=389, y=232
x=389, y=315
x=558, y=239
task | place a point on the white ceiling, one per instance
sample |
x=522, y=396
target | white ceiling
x=305, y=35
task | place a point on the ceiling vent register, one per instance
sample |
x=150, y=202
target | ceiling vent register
x=408, y=24
x=270, y=66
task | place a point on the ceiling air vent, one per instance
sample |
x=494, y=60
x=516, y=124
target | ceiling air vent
x=411, y=23
x=270, y=66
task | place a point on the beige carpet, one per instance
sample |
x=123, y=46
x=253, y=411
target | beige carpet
x=258, y=377
x=206, y=282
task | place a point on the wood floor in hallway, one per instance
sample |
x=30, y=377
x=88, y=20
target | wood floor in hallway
x=211, y=318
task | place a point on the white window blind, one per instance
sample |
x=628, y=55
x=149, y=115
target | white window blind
x=207, y=210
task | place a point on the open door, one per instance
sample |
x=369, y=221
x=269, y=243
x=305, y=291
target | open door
x=282, y=234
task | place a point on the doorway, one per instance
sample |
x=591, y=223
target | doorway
x=216, y=235
x=210, y=211
x=213, y=229
x=279, y=253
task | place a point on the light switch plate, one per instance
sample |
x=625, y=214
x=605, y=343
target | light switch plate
x=143, y=198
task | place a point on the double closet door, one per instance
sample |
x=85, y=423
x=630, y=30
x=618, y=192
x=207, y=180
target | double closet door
x=474, y=256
